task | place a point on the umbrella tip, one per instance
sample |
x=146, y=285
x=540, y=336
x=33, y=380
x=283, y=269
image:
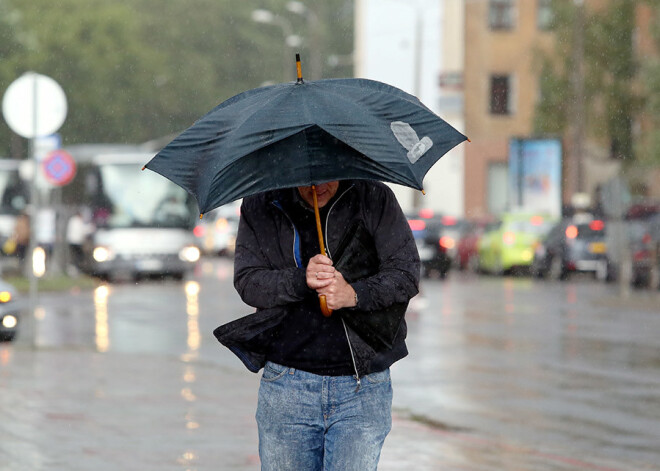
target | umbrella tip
x=423, y=192
x=468, y=139
x=201, y=215
x=144, y=167
x=299, y=69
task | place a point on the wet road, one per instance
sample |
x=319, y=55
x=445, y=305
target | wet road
x=564, y=368
x=522, y=374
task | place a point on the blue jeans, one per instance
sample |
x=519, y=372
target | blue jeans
x=309, y=422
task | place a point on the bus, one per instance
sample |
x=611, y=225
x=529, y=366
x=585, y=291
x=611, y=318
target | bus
x=140, y=223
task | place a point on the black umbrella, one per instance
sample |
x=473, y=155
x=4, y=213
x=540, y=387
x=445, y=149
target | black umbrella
x=305, y=133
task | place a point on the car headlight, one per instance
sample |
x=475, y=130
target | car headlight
x=189, y=253
x=5, y=296
x=102, y=254
x=9, y=321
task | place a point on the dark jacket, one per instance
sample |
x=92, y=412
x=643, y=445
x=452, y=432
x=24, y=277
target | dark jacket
x=268, y=276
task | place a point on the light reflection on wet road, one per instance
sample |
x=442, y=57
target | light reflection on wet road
x=525, y=374
x=563, y=367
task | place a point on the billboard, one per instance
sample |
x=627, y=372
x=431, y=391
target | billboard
x=535, y=175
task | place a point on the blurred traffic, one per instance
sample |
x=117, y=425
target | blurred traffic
x=434, y=242
x=10, y=312
x=543, y=246
x=215, y=232
x=575, y=244
x=508, y=243
x=116, y=224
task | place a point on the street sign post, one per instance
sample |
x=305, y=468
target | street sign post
x=34, y=106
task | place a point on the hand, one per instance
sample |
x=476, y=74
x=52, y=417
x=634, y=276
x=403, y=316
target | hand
x=320, y=272
x=338, y=293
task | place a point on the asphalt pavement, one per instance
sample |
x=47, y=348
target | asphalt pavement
x=86, y=410
x=84, y=406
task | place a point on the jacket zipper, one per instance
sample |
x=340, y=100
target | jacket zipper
x=350, y=346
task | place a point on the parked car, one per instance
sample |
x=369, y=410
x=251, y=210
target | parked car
x=432, y=245
x=575, y=244
x=10, y=309
x=467, y=253
x=509, y=242
x=452, y=229
x=216, y=231
x=644, y=251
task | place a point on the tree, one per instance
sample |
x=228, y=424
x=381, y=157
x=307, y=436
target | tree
x=14, y=42
x=89, y=48
x=649, y=145
x=139, y=70
x=610, y=66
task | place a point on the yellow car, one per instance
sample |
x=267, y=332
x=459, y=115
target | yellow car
x=510, y=241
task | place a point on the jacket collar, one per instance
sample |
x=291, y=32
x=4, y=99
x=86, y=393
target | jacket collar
x=291, y=195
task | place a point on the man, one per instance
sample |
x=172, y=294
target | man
x=325, y=396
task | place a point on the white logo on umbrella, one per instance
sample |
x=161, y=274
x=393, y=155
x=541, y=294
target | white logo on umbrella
x=407, y=137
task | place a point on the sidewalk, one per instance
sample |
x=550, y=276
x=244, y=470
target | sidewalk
x=82, y=410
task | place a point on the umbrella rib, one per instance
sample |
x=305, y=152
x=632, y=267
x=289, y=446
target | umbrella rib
x=266, y=101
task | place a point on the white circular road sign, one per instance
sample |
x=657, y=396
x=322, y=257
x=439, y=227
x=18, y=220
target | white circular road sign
x=34, y=105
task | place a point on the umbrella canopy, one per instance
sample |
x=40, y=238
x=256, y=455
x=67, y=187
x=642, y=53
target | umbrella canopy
x=305, y=133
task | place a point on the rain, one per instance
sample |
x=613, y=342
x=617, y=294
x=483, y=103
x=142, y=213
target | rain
x=533, y=339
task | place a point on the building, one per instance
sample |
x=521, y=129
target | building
x=504, y=39
x=477, y=64
x=501, y=90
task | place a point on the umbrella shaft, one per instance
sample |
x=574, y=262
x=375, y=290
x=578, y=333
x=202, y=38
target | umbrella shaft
x=319, y=229
x=327, y=312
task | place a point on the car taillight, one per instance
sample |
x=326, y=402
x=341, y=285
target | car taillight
x=447, y=242
x=641, y=255
x=198, y=231
x=426, y=213
x=571, y=232
x=596, y=225
x=448, y=220
x=416, y=224
x=508, y=238
x=536, y=220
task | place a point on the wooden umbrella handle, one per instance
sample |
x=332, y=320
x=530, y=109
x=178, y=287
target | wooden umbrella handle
x=325, y=310
x=324, y=304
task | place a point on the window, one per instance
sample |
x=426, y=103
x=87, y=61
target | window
x=501, y=14
x=500, y=94
x=121, y=202
x=544, y=14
